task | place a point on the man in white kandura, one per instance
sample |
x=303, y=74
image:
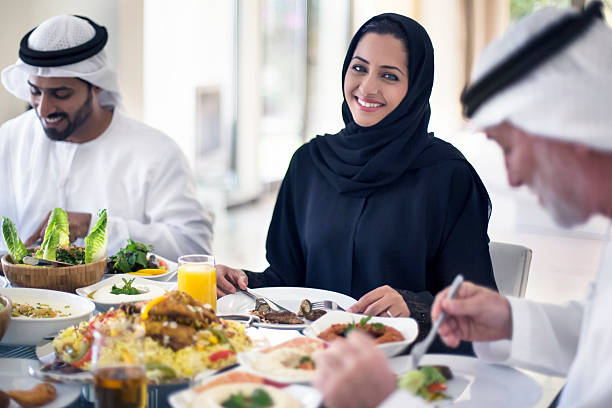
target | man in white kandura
x=543, y=92
x=78, y=150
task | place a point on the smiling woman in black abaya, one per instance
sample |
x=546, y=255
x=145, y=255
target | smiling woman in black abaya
x=382, y=211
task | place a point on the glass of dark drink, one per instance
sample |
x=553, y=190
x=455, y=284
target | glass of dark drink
x=118, y=363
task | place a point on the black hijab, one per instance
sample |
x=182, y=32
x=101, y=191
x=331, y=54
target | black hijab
x=358, y=160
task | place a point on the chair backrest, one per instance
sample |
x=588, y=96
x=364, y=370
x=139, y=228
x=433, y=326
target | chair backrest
x=510, y=267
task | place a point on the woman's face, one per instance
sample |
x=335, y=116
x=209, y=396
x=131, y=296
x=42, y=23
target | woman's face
x=377, y=78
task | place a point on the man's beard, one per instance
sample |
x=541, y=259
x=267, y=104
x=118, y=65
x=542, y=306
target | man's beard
x=565, y=212
x=80, y=117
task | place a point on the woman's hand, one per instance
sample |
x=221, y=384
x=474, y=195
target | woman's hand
x=382, y=301
x=475, y=313
x=353, y=373
x=228, y=278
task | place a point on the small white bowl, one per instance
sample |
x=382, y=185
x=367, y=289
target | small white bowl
x=26, y=331
x=103, y=305
x=405, y=325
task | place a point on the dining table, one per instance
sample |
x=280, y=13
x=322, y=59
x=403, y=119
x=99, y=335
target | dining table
x=550, y=386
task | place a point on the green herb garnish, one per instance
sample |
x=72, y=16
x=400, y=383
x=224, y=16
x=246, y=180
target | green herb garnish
x=258, y=399
x=364, y=320
x=127, y=289
x=130, y=259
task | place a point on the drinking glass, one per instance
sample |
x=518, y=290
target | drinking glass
x=118, y=362
x=197, y=276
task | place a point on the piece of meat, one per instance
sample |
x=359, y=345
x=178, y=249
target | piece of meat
x=315, y=314
x=5, y=400
x=381, y=333
x=284, y=317
x=41, y=394
x=182, y=308
x=173, y=335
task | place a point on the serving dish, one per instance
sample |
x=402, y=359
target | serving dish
x=405, y=325
x=27, y=331
x=281, y=363
x=307, y=397
x=95, y=291
x=66, y=279
x=478, y=384
x=5, y=314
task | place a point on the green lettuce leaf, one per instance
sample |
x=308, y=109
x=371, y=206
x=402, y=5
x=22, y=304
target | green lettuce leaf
x=13, y=243
x=49, y=245
x=59, y=221
x=97, y=240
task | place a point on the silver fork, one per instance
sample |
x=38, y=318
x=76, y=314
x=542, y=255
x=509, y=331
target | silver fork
x=421, y=347
x=326, y=304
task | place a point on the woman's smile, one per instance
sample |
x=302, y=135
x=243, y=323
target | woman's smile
x=368, y=105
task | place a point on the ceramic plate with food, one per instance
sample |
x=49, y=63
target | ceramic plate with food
x=182, y=338
x=288, y=362
x=123, y=288
x=243, y=387
x=288, y=297
x=474, y=383
x=38, y=313
x=393, y=334
x=14, y=377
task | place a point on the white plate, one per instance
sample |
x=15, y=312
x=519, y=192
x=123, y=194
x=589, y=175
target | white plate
x=172, y=268
x=308, y=396
x=476, y=384
x=14, y=376
x=288, y=297
x=103, y=306
x=26, y=331
x=248, y=361
x=405, y=325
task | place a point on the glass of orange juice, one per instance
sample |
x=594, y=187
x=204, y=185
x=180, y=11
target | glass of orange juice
x=197, y=276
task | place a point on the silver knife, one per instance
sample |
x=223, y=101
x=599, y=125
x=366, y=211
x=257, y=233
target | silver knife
x=30, y=260
x=273, y=305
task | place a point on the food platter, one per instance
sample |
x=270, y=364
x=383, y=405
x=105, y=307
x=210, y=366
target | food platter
x=308, y=397
x=27, y=331
x=99, y=293
x=282, y=362
x=477, y=384
x=288, y=297
x=405, y=325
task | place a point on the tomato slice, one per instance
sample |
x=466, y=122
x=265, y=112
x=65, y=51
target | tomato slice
x=85, y=359
x=436, y=387
x=223, y=354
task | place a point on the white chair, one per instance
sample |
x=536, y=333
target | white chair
x=510, y=267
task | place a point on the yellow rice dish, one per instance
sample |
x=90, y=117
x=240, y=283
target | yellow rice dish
x=182, y=338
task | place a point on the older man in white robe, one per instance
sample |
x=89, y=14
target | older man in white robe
x=543, y=92
x=78, y=150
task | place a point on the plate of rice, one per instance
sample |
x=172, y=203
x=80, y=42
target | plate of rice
x=182, y=338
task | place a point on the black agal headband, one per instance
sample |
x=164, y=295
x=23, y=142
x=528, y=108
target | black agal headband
x=66, y=56
x=528, y=57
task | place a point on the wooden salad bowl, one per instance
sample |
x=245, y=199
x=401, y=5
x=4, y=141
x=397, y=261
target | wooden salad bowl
x=66, y=279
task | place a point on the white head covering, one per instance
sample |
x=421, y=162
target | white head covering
x=57, y=33
x=567, y=98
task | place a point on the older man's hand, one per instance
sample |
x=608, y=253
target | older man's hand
x=354, y=373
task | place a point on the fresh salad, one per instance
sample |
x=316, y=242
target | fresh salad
x=428, y=381
x=56, y=242
x=135, y=257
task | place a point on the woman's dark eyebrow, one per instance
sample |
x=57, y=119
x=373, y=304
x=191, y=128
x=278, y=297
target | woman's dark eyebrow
x=61, y=88
x=382, y=66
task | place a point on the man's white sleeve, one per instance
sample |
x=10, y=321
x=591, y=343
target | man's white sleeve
x=544, y=337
